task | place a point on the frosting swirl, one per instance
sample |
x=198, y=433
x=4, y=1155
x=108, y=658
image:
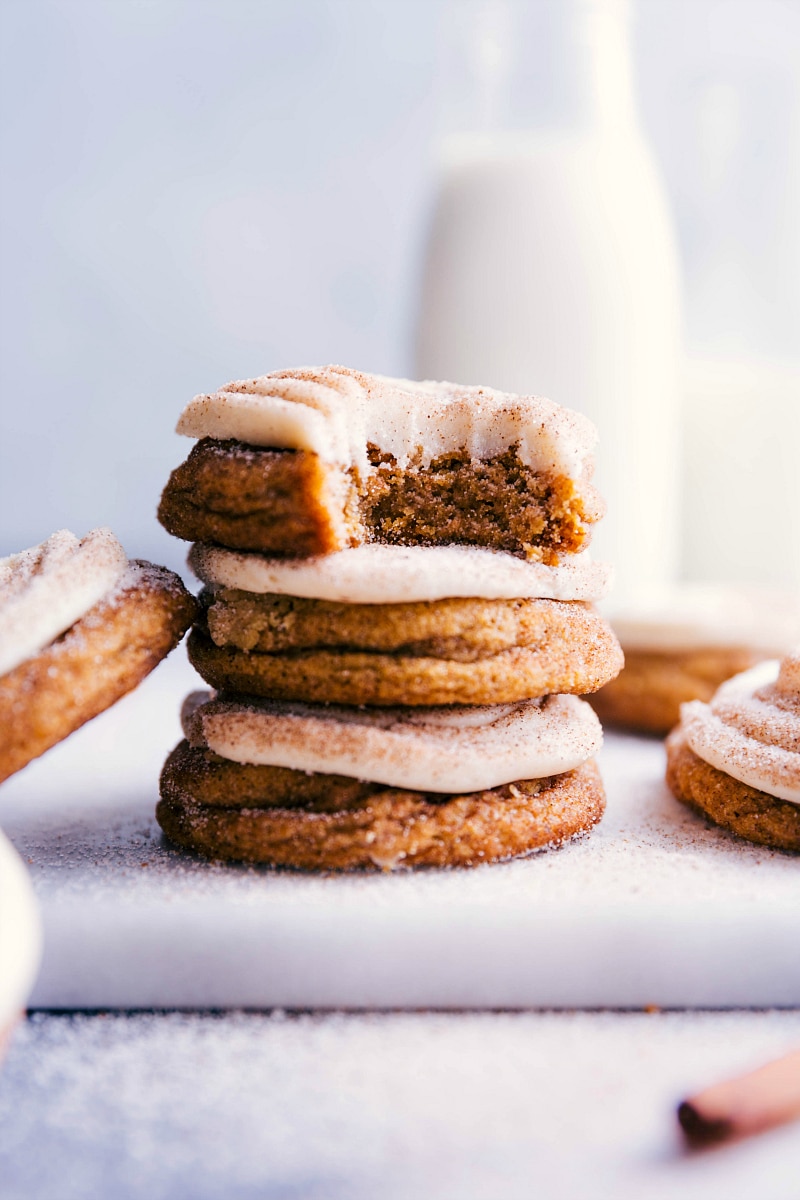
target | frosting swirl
x=336, y=412
x=378, y=574
x=45, y=590
x=751, y=728
x=448, y=750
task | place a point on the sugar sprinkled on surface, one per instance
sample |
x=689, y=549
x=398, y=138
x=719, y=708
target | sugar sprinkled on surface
x=348, y=1107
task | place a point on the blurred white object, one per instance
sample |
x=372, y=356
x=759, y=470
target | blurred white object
x=20, y=938
x=742, y=477
x=699, y=616
x=552, y=268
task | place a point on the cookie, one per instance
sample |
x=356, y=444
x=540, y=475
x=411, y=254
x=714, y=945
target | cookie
x=311, y=461
x=737, y=759
x=646, y=696
x=321, y=822
x=527, y=648
x=462, y=629
x=681, y=644
x=65, y=670
x=749, y=813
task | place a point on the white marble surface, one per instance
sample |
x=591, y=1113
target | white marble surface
x=653, y=908
x=411, y=1106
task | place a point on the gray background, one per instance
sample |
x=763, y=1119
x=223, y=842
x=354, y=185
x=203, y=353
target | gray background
x=196, y=191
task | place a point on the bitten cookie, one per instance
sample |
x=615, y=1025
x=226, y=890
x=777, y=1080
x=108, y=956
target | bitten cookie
x=309, y=461
x=80, y=626
x=737, y=759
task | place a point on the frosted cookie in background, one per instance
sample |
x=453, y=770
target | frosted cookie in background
x=681, y=644
x=20, y=939
x=80, y=626
x=737, y=759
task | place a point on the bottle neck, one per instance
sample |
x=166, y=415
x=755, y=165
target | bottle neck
x=598, y=36
x=557, y=65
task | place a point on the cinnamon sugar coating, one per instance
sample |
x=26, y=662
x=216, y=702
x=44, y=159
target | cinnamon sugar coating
x=98, y=660
x=249, y=498
x=646, y=696
x=749, y=813
x=463, y=629
x=290, y=502
x=566, y=648
x=321, y=822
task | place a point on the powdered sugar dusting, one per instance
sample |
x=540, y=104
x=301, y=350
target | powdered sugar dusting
x=45, y=590
x=337, y=412
x=450, y=750
x=751, y=728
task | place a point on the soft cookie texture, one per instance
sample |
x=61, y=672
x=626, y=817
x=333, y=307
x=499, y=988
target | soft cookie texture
x=310, y=461
x=735, y=806
x=99, y=658
x=288, y=818
x=445, y=652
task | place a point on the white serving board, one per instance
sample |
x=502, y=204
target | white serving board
x=652, y=908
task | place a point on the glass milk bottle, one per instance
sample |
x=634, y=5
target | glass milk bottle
x=552, y=264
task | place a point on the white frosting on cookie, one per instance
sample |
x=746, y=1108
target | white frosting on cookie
x=20, y=935
x=698, y=616
x=751, y=728
x=378, y=574
x=449, y=750
x=45, y=590
x=337, y=412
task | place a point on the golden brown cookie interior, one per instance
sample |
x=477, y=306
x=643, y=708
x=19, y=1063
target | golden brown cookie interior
x=749, y=813
x=289, y=502
x=91, y=666
x=647, y=694
x=322, y=822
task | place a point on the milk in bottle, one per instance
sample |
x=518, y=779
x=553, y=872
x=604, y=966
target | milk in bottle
x=552, y=268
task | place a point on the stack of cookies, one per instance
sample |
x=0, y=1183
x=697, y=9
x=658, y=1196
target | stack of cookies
x=396, y=620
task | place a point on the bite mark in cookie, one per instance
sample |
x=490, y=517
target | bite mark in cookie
x=321, y=458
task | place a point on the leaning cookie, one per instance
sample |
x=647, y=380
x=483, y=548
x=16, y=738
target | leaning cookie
x=737, y=759
x=80, y=626
x=337, y=789
x=681, y=644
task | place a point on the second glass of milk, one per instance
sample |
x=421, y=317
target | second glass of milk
x=552, y=265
